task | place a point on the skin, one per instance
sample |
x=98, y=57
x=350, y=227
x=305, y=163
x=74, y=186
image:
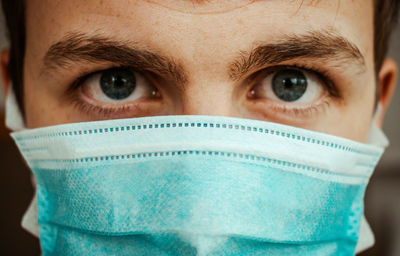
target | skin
x=204, y=38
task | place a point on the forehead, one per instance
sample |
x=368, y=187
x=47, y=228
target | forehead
x=200, y=26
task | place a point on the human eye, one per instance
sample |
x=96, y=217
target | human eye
x=292, y=90
x=113, y=92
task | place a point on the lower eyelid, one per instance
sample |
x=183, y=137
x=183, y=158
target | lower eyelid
x=270, y=108
x=101, y=110
x=135, y=109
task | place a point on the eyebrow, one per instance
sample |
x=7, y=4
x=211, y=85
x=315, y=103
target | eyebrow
x=79, y=47
x=316, y=45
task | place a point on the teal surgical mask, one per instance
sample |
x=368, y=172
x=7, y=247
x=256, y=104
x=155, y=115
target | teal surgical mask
x=197, y=185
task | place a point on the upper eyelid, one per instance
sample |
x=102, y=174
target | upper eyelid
x=78, y=81
x=256, y=75
x=273, y=69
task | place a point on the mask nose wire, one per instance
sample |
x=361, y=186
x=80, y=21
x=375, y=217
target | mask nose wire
x=209, y=7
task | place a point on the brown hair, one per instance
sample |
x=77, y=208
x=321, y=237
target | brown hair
x=385, y=18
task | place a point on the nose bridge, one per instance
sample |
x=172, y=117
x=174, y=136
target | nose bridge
x=208, y=98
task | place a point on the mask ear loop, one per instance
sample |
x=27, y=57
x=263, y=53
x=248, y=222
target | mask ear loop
x=14, y=119
x=378, y=111
x=376, y=136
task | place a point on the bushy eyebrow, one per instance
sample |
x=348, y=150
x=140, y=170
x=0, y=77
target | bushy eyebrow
x=78, y=47
x=317, y=45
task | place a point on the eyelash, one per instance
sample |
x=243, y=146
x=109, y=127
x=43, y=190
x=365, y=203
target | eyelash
x=308, y=111
x=107, y=112
x=104, y=112
x=78, y=81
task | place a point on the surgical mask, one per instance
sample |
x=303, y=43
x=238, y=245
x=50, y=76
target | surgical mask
x=197, y=185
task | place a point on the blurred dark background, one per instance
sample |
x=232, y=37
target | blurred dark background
x=382, y=201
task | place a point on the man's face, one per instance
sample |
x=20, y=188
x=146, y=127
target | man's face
x=307, y=64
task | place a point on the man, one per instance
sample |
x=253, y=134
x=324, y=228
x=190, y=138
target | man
x=317, y=65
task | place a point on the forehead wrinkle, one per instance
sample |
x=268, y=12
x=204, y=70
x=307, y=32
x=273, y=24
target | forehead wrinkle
x=308, y=2
x=202, y=3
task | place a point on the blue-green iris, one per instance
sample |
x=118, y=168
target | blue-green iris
x=289, y=85
x=118, y=83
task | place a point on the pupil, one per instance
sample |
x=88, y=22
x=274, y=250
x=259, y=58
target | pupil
x=118, y=83
x=289, y=85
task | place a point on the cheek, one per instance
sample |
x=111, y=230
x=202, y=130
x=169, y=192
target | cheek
x=42, y=107
x=353, y=119
x=354, y=125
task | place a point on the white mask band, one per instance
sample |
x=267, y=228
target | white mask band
x=14, y=121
